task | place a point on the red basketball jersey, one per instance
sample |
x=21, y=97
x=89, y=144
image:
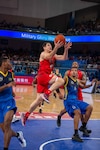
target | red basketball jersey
x=46, y=66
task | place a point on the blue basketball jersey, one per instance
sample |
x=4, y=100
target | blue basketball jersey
x=6, y=94
x=71, y=88
x=71, y=103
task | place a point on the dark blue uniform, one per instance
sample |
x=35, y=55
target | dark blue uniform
x=71, y=101
x=7, y=101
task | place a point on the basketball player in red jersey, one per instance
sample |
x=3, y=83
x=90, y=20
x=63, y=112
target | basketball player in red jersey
x=82, y=77
x=45, y=77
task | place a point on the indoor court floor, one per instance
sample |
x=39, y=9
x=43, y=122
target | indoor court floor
x=41, y=131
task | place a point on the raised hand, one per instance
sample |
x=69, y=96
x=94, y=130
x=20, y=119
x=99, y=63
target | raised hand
x=68, y=45
x=58, y=44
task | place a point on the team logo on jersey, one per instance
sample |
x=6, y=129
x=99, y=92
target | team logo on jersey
x=1, y=79
x=10, y=79
x=74, y=107
x=75, y=88
x=8, y=107
x=50, y=75
x=72, y=82
x=51, y=66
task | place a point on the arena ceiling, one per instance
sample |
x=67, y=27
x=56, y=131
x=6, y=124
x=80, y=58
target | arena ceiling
x=42, y=8
x=95, y=1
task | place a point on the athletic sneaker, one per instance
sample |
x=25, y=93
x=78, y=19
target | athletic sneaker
x=58, y=121
x=45, y=97
x=42, y=104
x=40, y=110
x=82, y=129
x=15, y=119
x=21, y=139
x=85, y=133
x=54, y=94
x=77, y=138
x=23, y=119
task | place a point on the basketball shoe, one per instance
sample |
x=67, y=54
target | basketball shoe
x=77, y=138
x=45, y=97
x=21, y=139
x=24, y=118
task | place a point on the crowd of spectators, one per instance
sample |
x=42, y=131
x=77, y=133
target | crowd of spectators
x=26, y=67
x=26, y=64
x=83, y=28
x=21, y=27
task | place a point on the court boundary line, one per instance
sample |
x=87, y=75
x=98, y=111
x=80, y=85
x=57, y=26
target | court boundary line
x=47, y=116
x=61, y=139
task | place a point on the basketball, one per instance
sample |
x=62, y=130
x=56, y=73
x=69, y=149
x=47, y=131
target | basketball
x=60, y=37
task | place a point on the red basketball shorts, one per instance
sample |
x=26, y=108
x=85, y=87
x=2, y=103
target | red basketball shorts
x=43, y=82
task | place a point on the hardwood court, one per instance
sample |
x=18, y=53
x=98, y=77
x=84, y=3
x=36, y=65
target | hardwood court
x=25, y=95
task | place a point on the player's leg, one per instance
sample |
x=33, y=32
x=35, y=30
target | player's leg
x=74, y=112
x=8, y=132
x=36, y=102
x=82, y=115
x=55, y=83
x=33, y=106
x=15, y=119
x=2, y=127
x=77, y=116
x=62, y=112
x=87, y=115
x=60, y=92
x=81, y=127
x=86, y=110
x=40, y=108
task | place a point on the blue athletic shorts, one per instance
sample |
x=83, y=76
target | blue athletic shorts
x=5, y=107
x=72, y=105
